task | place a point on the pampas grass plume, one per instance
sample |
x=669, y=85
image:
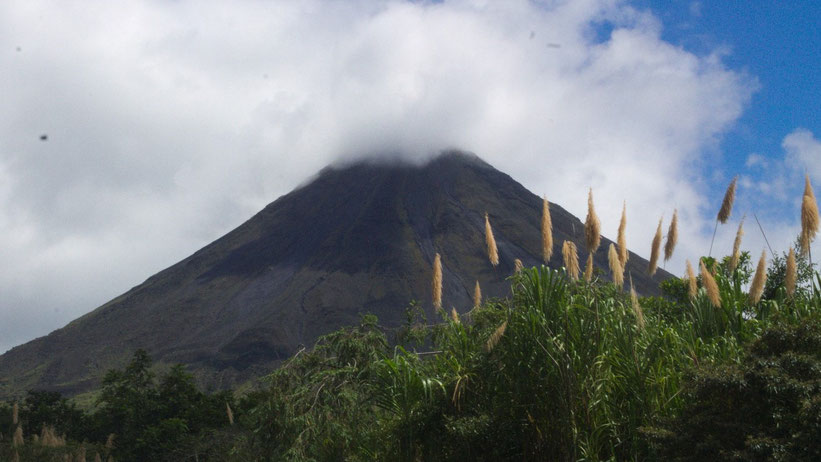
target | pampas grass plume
x=492, y=252
x=692, y=283
x=229, y=413
x=495, y=337
x=477, y=296
x=624, y=254
x=655, y=250
x=592, y=225
x=737, y=246
x=727, y=203
x=588, y=268
x=547, y=231
x=672, y=237
x=437, y=282
x=809, y=217
x=710, y=286
x=634, y=302
x=615, y=266
x=17, y=439
x=791, y=273
x=518, y=266
x=97, y=457
x=571, y=259
x=760, y=278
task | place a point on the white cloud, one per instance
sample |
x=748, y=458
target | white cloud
x=170, y=123
x=804, y=152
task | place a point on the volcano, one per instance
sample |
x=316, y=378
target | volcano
x=359, y=238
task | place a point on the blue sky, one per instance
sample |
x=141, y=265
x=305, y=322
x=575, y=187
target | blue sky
x=171, y=123
x=779, y=43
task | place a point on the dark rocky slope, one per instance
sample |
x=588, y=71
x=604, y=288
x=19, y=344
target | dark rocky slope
x=358, y=238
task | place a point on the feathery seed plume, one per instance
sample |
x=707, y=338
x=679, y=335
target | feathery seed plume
x=760, y=278
x=790, y=277
x=737, y=246
x=809, y=217
x=15, y=410
x=81, y=454
x=634, y=302
x=727, y=203
x=624, y=255
x=655, y=250
x=229, y=413
x=518, y=266
x=454, y=316
x=588, y=268
x=710, y=286
x=547, y=231
x=692, y=283
x=437, y=282
x=97, y=457
x=672, y=236
x=109, y=442
x=571, y=259
x=615, y=266
x=477, y=296
x=592, y=225
x=17, y=439
x=495, y=337
x=492, y=252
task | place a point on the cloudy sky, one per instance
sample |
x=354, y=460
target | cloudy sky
x=169, y=123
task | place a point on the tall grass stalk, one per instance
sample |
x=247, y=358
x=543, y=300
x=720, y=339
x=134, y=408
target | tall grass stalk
x=624, y=253
x=571, y=260
x=692, y=283
x=437, y=282
x=588, y=268
x=672, y=237
x=592, y=225
x=492, y=252
x=655, y=250
x=791, y=273
x=710, y=286
x=615, y=266
x=737, y=246
x=725, y=210
x=759, y=280
x=547, y=231
x=809, y=218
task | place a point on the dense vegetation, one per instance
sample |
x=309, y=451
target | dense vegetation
x=560, y=371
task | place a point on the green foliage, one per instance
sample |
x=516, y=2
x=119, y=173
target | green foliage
x=155, y=419
x=562, y=371
x=768, y=407
x=316, y=406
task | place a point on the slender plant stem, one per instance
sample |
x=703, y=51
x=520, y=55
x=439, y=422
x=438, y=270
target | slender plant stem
x=710, y=253
x=763, y=234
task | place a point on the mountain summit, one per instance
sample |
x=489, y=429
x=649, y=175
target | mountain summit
x=357, y=239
